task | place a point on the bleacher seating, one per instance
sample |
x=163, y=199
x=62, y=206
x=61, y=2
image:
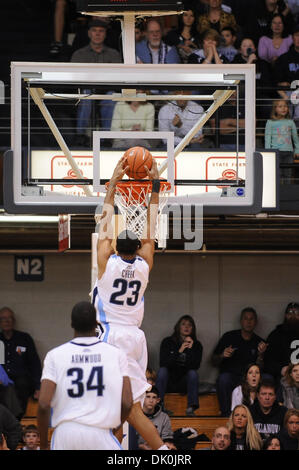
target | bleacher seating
x=207, y=417
x=206, y=420
x=177, y=404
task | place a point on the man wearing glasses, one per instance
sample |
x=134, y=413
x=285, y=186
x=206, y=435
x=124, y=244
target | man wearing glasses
x=282, y=343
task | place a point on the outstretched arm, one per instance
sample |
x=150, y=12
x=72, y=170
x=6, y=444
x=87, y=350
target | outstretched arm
x=104, y=247
x=147, y=249
x=44, y=410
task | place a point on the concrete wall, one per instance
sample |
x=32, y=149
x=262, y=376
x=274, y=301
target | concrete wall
x=213, y=289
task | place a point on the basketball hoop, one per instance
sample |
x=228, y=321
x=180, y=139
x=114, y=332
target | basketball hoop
x=132, y=198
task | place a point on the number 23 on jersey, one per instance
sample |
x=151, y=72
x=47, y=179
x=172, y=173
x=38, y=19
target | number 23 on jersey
x=127, y=292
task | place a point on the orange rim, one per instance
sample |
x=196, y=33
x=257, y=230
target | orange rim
x=125, y=187
x=139, y=185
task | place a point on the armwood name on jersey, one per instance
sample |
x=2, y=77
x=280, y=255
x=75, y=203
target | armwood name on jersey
x=89, y=378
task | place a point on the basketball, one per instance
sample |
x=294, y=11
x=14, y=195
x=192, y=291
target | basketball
x=137, y=157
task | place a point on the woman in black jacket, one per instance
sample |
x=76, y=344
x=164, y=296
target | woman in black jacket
x=185, y=37
x=180, y=358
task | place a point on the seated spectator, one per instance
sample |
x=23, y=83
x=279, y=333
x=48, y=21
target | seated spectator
x=247, y=54
x=180, y=358
x=152, y=50
x=290, y=386
x=234, y=351
x=10, y=428
x=8, y=395
x=221, y=439
x=241, y=9
x=259, y=18
x=268, y=415
x=151, y=376
x=273, y=443
x=243, y=434
x=209, y=54
x=179, y=117
x=289, y=434
x=31, y=438
x=281, y=134
x=279, y=351
x=185, y=37
x=276, y=43
x=216, y=18
x=287, y=70
x=22, y=363
x=112, y=38
x=95, y=52
x=229, y=37
x=139, y=31
x=153, y=410
x=245, y=394
x=228, y=124
x=263, y=77
x=293, y=5
x=132, y=116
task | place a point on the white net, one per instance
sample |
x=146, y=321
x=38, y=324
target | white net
x=132, y=199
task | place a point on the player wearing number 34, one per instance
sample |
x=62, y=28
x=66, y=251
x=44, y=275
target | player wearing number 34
x=118, y=293
x=86, y=383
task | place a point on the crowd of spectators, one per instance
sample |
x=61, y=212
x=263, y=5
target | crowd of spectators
x=264, y=33
x=257, y=384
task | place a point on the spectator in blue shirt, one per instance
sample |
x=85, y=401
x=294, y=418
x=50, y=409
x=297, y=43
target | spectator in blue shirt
x=22, y=363
x=152, y=50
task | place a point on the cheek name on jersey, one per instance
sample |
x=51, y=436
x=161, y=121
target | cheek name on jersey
x=85, y=358
x=128, y=274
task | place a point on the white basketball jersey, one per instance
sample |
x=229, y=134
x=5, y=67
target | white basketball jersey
x=89, y=377
x=118, y=295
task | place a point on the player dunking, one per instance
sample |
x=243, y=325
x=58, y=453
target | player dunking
x=86, y=383
x=118, y=295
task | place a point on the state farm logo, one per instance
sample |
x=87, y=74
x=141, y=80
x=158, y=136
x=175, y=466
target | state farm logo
x=72, y=175
x=61, y=169
x=229, y=174
x=224, y=167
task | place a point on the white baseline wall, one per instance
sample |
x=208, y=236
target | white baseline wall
x=213, y=289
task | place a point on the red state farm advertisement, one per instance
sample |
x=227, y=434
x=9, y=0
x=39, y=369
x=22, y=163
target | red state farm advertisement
x=60, y=169
x=224, y=168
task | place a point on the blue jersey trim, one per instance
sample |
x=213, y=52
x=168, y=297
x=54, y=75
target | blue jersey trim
x=129, y=261
x=114, y=438
x=107, y=328
x=85, y=344
x=101, y=311
x=52, y=440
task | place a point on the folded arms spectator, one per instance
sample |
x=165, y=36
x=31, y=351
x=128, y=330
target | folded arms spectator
x=234, y=351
